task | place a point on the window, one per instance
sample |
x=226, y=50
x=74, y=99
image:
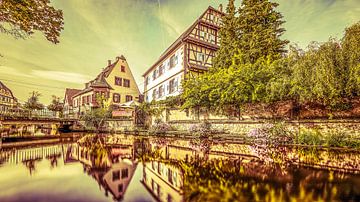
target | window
x=170, y=176
x=129, y=98
x=147, y=80
x=127, y=83
x=116, y=175
x=169, y=198
x=173, y=61
x=202, y=34
x=124, y=173
x=118, y=81
x=161, y=91
x=154, y=74
x=120, y=187
x=122, y=68
x=200, y=57
x=154, y=94
x=172, y=86
x=161, y=70
x=116, y=97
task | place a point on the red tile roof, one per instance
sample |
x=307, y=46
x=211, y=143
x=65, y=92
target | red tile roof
x=69, y=93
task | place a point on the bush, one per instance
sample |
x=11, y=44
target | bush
x=272, y=133
x=309, y=137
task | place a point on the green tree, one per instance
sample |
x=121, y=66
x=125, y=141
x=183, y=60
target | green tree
x=96, y=117
x=20, y=18
x=319, y=75
x=351, y=55
x=33, y=102
x=228, y=36
x=56, y=105
x=259, y=27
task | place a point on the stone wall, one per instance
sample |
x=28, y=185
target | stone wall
x=243, y=127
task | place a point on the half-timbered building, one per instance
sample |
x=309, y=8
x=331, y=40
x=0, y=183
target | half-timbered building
x=190, y=55
x=7, y=99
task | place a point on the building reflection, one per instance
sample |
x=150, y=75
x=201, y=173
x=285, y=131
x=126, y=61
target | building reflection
x=163, y=180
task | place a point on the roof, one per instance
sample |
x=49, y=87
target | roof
x=69, y=93
x=2, y=85
x=181, y=38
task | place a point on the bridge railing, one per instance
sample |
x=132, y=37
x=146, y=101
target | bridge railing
x=21, y=113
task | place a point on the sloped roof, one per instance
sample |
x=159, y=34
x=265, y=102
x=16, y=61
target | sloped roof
x=2, y=85
x=69, y=93
x=181, y=38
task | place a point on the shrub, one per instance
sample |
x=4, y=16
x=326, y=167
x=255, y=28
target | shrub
x=272, y=133
x=309, y=137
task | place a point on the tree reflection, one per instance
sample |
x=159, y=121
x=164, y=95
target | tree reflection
x=31, y=165
x=53, y=160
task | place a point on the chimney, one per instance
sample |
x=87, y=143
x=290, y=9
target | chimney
x=220, y=8
x=109, y=62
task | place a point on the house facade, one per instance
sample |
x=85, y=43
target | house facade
x=68, y=102
x=115, y=82
x=7, y=99
x=190, y=55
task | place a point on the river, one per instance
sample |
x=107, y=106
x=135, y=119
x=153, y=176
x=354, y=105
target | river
x=131, y=168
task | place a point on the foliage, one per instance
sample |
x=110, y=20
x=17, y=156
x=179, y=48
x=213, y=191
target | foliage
x=20, y=18
x=259, y=29
x=149, y=109
x=96, y=117
x=309, y=137
x=33, y=102
x=227, y=33
x=95, y=145
x=56, y=105
x=325, y=73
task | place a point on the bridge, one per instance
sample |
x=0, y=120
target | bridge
x=24, y=121
x=23, y=155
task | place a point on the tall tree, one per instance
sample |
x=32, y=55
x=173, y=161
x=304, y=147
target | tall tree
x=56, y=105
x=259, y=25
x=20, y=18
x=351, y=55
x=33, y=102
x=228, y=36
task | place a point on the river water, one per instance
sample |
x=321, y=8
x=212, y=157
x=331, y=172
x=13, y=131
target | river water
x=130, y=168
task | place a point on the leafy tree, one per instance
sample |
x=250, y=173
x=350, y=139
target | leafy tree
x=33, y=102
x=20, y=18
x=56, y=105
x=351, y=55
x=259, y=27
x=96, y=117
x=228, y=36
x=319, y=74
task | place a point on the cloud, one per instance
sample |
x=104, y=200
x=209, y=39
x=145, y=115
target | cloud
x=5, y=70
x=69, y=77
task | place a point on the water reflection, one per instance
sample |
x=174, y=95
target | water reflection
x=128, y=168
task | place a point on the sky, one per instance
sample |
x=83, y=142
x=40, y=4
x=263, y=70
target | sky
x=96, y=31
